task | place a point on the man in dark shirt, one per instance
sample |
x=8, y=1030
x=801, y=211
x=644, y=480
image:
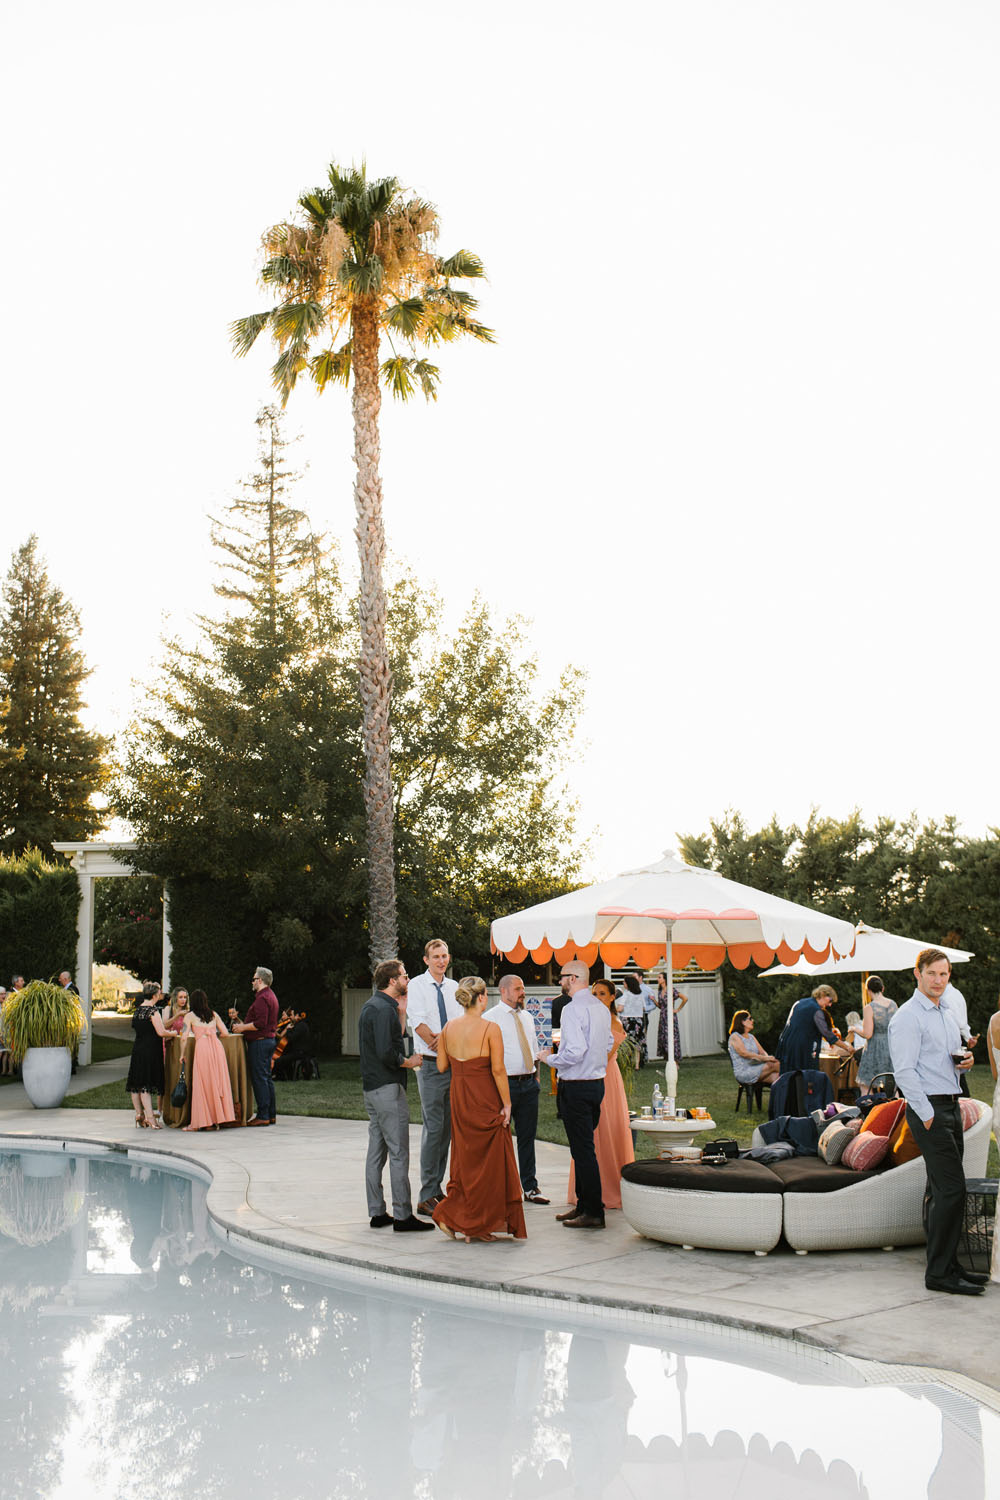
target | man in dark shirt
x=384, y=1076
x=259, y=1029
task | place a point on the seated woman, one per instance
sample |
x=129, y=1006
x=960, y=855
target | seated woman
x=751, y=1064
x=293, y=1046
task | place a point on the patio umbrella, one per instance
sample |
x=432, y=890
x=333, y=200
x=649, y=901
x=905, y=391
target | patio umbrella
x=874, y=950
x=673, y=911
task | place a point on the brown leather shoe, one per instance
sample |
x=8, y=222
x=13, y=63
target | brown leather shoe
x=571, y=1213
x=428, y=1206
x=257, y=1120
x=585, y=1221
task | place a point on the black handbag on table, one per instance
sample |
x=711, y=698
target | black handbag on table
x=178, y=1097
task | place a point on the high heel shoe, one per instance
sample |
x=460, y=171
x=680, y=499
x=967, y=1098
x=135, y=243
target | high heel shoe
x=152, y=1125
x=140, y=1123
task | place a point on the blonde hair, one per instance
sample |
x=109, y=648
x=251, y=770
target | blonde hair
x=469, y=991
x=824, y=989
x=433, y=943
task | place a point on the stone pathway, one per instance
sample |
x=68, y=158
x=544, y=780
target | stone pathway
x=300, y=1187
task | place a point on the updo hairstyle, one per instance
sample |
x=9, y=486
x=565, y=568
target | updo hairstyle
x=469, y=991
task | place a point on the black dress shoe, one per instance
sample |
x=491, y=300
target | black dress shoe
x=380, y=1221
x=957, y=1285
x=585, y=1221
x=403, y=1226
x=981, y=1278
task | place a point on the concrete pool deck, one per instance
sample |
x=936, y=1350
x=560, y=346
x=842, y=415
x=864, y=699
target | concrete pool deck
x=300, y=1188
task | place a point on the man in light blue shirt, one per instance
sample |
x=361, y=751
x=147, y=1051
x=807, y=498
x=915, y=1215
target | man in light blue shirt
x=928, y=1055
x=582, y=1060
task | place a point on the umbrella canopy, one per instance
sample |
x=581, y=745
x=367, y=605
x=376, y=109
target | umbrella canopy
x=874, y=951
x=705, y=918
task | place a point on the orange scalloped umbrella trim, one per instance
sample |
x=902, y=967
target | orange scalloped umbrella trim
x=816, y=955
x=570, y=951
x=740, y=954
x=542, y=953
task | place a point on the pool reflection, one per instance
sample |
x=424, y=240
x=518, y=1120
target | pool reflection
x=139, y=1354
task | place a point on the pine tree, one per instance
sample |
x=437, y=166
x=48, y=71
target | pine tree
x=51, y=768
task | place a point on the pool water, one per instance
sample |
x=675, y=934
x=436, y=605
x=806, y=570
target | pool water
x=141, y=1358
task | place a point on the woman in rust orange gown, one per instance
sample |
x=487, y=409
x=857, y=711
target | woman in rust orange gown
x=484, y=1190
x=612, y=1138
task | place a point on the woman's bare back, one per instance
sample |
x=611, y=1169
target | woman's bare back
x=468, y=1039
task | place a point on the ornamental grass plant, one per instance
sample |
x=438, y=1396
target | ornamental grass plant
x=41, y=1015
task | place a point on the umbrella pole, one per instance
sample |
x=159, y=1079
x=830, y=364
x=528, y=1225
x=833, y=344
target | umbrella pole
x=670, y=1071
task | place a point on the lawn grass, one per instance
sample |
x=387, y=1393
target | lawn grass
x=337, y=1096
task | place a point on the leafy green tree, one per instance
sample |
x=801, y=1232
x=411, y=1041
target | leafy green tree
x=243, y=781
x=358, y=264
x=51, y=768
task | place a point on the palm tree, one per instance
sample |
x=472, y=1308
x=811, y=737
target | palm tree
x=356, y=264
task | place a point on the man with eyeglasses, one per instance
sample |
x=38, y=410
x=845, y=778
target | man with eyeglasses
x=581, y=1063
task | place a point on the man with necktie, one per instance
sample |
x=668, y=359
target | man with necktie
x=432, y=1003
x=520, y=1051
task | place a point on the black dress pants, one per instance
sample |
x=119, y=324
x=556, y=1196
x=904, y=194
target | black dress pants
x=580, y=1111
x=941, y=1148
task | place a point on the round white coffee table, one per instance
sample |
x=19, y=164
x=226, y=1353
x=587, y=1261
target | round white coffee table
x=677, y=1132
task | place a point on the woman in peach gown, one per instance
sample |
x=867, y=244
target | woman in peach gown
x=211, y=1091
x=484, y=1189
x=612, y=1138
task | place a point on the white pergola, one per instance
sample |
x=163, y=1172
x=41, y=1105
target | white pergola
x=91, y=861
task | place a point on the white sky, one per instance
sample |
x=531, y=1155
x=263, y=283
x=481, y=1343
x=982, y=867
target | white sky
x=734, y=452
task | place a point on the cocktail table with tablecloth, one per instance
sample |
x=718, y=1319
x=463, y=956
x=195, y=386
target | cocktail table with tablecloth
x=236, y=1061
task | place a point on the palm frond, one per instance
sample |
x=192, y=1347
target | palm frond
x=332, y=364
x=462, y=263
x=396, y=376
x=281, y=270
x=317, y=205
x=286, y=370
x=406, y=317
x=361, y=278
x=295, y=322
x=245, y=330
x=453, y=297
x=428, y=375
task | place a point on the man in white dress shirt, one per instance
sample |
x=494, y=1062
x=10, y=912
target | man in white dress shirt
x=431, y=1003
x=520, y=1053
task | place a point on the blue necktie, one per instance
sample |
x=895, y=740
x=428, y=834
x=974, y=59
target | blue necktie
x=441, y=1010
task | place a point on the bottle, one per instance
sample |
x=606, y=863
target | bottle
x=657, y=1102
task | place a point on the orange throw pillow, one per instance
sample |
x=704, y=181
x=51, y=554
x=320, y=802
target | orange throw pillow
x=882, y=1119
x=902, y=1146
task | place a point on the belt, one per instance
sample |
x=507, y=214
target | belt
x=944, y=1098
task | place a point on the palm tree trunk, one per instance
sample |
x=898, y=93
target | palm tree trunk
x=375, y=676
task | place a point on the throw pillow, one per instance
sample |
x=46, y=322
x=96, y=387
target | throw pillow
x=970, y=1113
x=881, y=1119
x=835, y=1140
x=865, y=1151
x=901, y=1143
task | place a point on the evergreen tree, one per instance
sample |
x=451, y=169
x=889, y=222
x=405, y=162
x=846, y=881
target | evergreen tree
x=51, y=768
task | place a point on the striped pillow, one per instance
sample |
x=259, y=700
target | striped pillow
x=865, y=1151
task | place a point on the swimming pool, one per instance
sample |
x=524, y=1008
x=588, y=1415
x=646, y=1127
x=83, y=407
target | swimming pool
x=141, y=1357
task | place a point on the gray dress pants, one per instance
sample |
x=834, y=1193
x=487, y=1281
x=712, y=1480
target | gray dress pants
x=388, y=1136
x=435, y=1142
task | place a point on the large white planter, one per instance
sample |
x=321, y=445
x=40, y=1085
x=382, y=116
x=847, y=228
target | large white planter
x=45, y=1073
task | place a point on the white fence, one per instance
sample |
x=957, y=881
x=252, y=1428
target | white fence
x=701, y=1022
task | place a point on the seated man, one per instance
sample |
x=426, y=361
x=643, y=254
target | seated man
x=298, y=1045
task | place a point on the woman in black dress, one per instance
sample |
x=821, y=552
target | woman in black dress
x=145, y=1072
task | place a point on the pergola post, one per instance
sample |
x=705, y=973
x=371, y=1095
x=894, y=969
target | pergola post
x=85, y=959
x=91, y=861
x=165, y=962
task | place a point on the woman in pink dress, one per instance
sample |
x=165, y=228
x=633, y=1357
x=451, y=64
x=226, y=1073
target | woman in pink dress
x=211, y=1091
x=612, y=1138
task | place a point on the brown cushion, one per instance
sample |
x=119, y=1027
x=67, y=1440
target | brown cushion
x=731, y=1177
x=807, y=1174
x=866, y=1151
x=902, y=1146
